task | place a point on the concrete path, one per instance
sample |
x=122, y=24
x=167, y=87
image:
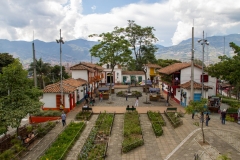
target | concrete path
x=115, y=143
x=150, y=144
x=76, y=149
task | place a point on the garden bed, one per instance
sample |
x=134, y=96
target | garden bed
x=132, y=132
x=44, y=116
x=95, y=147
x=157, y=122
x=174, y=120
x=132, y=94
x=83, y=116
x=16, y=150
x=64, y=142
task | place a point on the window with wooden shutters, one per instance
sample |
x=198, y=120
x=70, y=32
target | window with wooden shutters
x=205, y=78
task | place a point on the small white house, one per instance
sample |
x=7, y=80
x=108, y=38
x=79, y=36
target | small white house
x=72, y=93
x=181, y=82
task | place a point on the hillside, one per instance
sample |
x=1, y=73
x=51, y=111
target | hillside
x=75, y=51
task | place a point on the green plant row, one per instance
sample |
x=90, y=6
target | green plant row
x=157, y=128
x=64, y=142
x=156, y=117
x=48, y=113
x=83, y=116
x=93, y=149
x=175, y=120
x=157, y=122
x=132, y=132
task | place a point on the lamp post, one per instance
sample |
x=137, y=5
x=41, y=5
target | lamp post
x=60, y=40
x=203, y=43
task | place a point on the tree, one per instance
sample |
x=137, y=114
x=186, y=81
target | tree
x=226, y=68
x=167, y=62
x=5, y=60
x=42, y=69
x=140, y=39
x=198, y=106
x=113, y=49
x=20, y=96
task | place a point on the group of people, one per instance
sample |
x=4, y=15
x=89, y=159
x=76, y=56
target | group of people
x=223, y=114
x=29, y=137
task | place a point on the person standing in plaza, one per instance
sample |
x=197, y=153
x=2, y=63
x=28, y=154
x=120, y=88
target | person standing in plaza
x=207, y=119
x=101, y=96
x=126, y=94
x=223, y=116
x=136, y=102
x=63, y=116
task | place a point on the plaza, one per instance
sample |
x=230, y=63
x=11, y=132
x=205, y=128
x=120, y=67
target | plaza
x=181, y=143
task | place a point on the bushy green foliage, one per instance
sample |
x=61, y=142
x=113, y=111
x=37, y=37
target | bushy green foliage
x=64, y=141
x=157, y=122
x=48, y=113
x=229, y=118
x=132, y=132
x=83, y=116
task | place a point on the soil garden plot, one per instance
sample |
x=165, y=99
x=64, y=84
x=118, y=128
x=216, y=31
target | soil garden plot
x=96, y=144
x=174, y=118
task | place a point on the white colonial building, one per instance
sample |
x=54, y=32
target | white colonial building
x=180, y=88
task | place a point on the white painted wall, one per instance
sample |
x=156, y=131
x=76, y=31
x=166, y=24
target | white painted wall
x=49, y=100
x=212, y=82
x=83, y=74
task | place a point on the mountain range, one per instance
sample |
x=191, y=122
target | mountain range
x=75, y=51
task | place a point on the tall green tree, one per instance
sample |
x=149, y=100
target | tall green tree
x=20, y=96
x=141, y=40
x=198, y=106
x=226, y=69
x=42, y=69
x=46, y=74
x=113, y=49
x=5, y=60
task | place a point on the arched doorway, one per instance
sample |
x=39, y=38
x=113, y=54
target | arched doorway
x=110, y=78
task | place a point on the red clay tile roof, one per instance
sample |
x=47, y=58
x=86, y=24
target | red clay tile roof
x=81, y=67
x=153, y=65
x=92, y=65
x=133, y=73
x=196, y=85
x=69, y=85
x=175, y=67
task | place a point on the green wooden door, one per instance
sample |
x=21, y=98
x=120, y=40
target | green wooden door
x=139, y=78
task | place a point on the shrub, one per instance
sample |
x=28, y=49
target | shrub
x=230, y=119
x=132, y=132
x=64, y=141
x=48, y=113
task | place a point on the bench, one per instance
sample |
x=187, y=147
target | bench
x=86, y=109
x=30, y=141
x=130, y=109
x=170, y=109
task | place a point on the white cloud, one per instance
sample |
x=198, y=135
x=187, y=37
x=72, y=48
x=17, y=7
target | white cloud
x=172, y=19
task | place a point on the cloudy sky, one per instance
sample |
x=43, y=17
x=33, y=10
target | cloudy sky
x=172, y=19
